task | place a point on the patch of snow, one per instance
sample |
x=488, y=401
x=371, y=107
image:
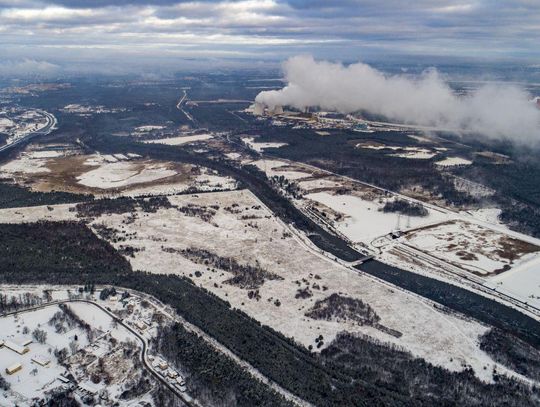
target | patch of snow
x=453, y=161
x=417, y=155
x=261, y=146
x=124, y=173
x=176, y=141
x=364, y=221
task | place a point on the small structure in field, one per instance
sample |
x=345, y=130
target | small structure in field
x=21, y=350
x=13, y=368
x=40, y=360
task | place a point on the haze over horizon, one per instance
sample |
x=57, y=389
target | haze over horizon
x=106, y=36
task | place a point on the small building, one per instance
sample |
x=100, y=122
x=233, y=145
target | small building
x=86, y=389
x=141, y=325
x=14, y=368
x=163, y=365
x=63, y=379
x=21, y=350
x=27, y=342
x=172, y=374
x=40, y=360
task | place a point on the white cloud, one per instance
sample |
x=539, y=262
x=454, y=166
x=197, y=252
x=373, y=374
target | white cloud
x=495, y=110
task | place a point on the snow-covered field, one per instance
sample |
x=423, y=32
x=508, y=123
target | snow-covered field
x=37, y=213
x=521, y=282
x=176, y=141
x=280, y=168
x=144, y=129
x=363, y=220
x=251, y=235
x=453, y=161
x=26, y=164
x=124, y=173
x=472, y=247
x=405, y=152
x=69, y=171
x=318, y=183
x=419, y=154
x=261, y=146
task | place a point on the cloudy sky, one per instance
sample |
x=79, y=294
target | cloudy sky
x=39, y=35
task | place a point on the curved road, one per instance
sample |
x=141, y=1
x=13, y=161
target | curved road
x=144, y=349
x=51, y=122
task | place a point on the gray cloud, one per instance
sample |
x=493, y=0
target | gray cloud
x=337, y=29
x=501, y=111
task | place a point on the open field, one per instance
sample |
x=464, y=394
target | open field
x=470, y=246
x=245, y=231
x=362, y=219
x=72, y=171
x=261, y=146
x=179, y=140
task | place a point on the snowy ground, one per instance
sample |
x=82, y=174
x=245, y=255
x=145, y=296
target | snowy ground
x=261, y=146
x=363, y=220
x=418, y=154
x=453, y=161
x=280, y=168
x=522, y=282
x=404, y=152
x=124, y=173
x=472, y=247
x=25, y=165
x=254, y=236
x=24, y=382
x=103, y=174
x=176, y=141
x=37, y=213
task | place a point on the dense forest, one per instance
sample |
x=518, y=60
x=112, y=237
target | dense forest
x=511, y=352
x=15, y=196
x=405, y=208
x=68, y=253
x=420, y=382
x=214, y=379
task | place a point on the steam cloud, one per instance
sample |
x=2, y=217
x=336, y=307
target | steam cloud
x=500, y=111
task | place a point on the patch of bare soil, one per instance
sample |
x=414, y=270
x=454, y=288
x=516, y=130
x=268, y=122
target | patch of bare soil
x=64, y=173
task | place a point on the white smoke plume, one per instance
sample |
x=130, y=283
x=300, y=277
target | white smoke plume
x=499, y=111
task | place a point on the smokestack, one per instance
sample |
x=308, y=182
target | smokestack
x=257, y=109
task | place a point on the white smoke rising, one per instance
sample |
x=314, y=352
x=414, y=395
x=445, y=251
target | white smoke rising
x=500, y=111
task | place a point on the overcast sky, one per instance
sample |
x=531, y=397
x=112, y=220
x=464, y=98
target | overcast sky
x=39, y=35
